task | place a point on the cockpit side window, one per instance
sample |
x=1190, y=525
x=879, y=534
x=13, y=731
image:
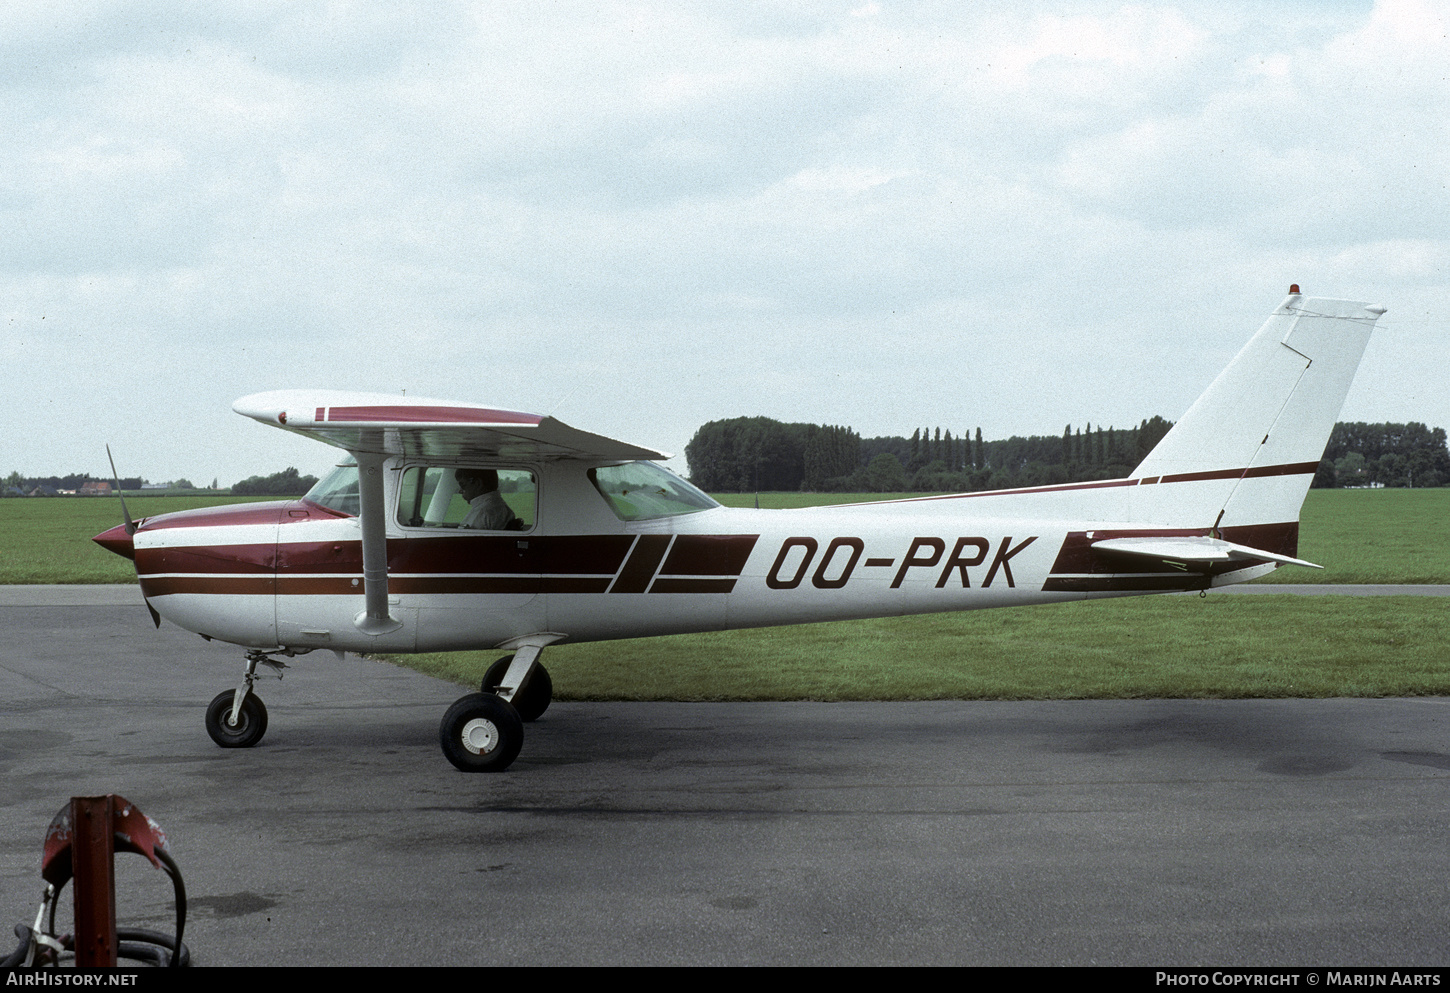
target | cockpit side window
x=643, y=491
x=466, y=498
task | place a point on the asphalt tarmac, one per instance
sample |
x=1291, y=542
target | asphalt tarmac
x=1216, y=833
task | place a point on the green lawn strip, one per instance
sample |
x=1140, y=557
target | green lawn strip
x=48, y=540
x=1155, y=647
x=1373, y=536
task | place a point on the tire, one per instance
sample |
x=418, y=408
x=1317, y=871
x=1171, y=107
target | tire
x=536, y=697
x=251, y=722
x=481, y=732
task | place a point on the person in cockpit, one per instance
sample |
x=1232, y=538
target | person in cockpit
x=486, y=508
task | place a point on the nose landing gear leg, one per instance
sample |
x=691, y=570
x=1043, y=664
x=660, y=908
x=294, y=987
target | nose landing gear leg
x=238, y=718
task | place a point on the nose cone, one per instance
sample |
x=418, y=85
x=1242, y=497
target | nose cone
x=118, y=541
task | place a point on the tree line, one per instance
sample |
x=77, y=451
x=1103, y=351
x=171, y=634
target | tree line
x=1360, y=454
x=285, y=483
x=746, y=454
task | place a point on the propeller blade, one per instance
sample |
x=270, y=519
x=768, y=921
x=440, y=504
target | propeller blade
x=130, y=524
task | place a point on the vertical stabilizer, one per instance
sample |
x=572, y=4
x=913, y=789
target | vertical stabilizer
x=1246, y=451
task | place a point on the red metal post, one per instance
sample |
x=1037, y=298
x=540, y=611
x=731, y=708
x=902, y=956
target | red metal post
x=93, y=849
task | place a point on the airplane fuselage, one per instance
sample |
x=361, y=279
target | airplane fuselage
x=289, y=574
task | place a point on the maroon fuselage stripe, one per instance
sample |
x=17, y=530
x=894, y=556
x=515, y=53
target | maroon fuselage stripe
x=504, y=564
x=230, y=515
x=635, y=576
x=708, y=555
x=1252, y=472
x=1126, y=584
x=208, y=558
x=1082, y=568
x=465, y=553
x=666, y=585
x=232, y=585
x=1248, y=472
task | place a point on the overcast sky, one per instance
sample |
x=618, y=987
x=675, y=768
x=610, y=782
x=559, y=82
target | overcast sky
x=640, y=217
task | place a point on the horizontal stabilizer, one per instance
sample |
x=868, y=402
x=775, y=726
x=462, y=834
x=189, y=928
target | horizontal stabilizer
x=1195, y=550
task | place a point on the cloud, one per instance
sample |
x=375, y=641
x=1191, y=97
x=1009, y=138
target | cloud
x=874, y=214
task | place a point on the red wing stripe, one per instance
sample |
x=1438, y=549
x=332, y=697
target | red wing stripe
x=430, y=415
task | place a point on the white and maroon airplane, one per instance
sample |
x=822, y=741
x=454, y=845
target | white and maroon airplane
x=569, y=536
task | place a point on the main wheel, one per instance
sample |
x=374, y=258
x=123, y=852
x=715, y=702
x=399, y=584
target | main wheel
x=251, y=722
x=481, y=733
x=534, y=700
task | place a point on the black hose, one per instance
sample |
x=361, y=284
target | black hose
x=180, y=956
x=141, y=945
x=135, y=944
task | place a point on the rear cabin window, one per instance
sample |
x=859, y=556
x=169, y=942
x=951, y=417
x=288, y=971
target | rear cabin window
x=643, y=491
x=467, y=499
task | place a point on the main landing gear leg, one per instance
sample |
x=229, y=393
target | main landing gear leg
x=483, y=732
x=238, y=718
x=523, y=681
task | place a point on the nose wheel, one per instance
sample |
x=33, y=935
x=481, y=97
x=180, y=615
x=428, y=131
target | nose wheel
x=246, y=730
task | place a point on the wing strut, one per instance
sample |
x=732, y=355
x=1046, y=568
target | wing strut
x=375, y=619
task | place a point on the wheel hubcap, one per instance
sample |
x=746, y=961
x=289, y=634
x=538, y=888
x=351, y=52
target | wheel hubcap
x=480, y=736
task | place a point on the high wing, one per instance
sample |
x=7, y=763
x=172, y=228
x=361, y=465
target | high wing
x=376, y=426
x=420, y=427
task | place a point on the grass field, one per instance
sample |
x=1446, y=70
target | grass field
x=1162, y=646
x=48, y=539
x=1359, y=536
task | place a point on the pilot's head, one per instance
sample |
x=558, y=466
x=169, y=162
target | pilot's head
x=475, y=482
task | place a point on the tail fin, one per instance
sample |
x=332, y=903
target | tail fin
x=1246, y=451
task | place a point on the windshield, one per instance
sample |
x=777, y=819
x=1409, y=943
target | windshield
x=337, y=491
x=643, y=491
